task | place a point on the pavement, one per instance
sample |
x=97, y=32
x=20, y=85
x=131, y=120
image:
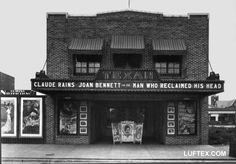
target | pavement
x=118, y=153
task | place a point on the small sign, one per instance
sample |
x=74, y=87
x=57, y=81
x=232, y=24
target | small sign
x=127, y=75
x=17, y=93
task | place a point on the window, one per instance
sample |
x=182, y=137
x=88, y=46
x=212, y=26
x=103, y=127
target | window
x=161, y=67
x=127, y=60
x=87, y=64
x=81, y=67
x=173, y=68
x=93, y=67
x=168, y=65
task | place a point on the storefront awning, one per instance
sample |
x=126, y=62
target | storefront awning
x=86, y=44
x=168, y=45
x=127, y=42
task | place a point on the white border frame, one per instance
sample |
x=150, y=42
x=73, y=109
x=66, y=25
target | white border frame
x=168, y=117
x=40, y=135
x=86, y=130
x=84, y=117
x=85, y=121
x=83, y=106
x=169, y=124
x=15, y=116
x=169, y=131
x=170, y=109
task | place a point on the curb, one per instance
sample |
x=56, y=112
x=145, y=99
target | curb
x=91, y=160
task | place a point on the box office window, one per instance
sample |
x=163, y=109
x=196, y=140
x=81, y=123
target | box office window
x=168, y=65
x=87, y=64
x=68, y=116
x=186, y=118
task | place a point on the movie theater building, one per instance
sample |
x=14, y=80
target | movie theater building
x=122, y=76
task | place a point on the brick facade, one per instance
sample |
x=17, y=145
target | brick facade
x=62, y=28
x=7, y=82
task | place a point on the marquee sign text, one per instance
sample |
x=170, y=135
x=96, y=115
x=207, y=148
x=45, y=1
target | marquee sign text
x=84, y=85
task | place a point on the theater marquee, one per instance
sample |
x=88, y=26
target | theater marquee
x=119, y=85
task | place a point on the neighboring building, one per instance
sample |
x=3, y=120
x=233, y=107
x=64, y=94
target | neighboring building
x=222, y=114
x=222, y=120
x=7, y=82
x=114, y=66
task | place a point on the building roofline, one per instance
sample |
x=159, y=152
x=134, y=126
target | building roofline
x=199, y=15
x=160, y=14
x=57, y=14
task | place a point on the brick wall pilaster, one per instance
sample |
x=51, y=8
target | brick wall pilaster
x=49, y=101
x=58, y=60
x=204, y=120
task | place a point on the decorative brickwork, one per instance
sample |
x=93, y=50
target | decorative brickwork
x=49, y=103
x=204, y=120
x=7, y=82
x=61, y=29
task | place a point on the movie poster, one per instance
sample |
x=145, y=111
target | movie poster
x=186, y=118
x=8, y=116
x=31, y=117
x=68, y=118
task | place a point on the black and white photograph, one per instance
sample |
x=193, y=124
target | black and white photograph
x=31, y=117
x=8, y=116
x=83, y=108
x=118, y=81
x=68, y=118
x=83, y=130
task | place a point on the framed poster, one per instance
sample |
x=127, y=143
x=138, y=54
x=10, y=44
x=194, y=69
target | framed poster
x=83, y=130
x=31, y=114
x=8, y=116
x=83, y=116
x=83, y=108
x=171, y=109
x=171, y=124
x=170, y=131
x=83, y=123
x=67, y=118
x=116, y=132
x=127, y=131
x=187, y=118
x=171, y=116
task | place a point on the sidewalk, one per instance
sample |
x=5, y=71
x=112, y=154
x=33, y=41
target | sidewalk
x=119, y=153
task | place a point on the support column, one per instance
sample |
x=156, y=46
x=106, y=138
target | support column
x=49, y=101
x=203, y=120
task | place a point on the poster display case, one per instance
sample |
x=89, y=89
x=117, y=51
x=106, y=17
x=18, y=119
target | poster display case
x=31, y=117
x=83, y=123
x=68, y=118
x=171, y=118
x=186, y=118
x=8, y=116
